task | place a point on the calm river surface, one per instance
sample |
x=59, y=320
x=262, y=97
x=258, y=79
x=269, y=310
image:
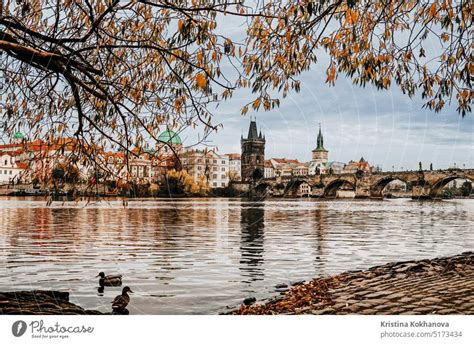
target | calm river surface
x=196, y=256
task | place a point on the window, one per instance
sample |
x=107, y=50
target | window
x=223, y=161
x=214, y=176
x=215, y=161
x=199, y=168
x=222, y=176
x=11, y=171
x=214, y=168
x=6, y=162
x=223, y=184
x=223, y=169
x=214, y=184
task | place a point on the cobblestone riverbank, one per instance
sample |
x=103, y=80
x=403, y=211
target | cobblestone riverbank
x=436, y=286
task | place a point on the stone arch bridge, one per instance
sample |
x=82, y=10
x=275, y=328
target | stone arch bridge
x=424, y=184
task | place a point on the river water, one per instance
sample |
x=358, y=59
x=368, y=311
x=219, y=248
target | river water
x=196, y=256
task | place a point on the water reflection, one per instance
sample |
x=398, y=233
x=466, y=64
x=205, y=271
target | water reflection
x=320, y=221
x=195, y=256
x=252, y=223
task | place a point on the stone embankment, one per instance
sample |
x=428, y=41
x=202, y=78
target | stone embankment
x=39, y=302
x=436, y=286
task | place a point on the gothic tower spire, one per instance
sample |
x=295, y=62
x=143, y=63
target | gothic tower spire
x=320, y=140
x=253, y=154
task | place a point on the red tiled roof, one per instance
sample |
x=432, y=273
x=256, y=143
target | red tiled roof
x=22, y=165
x=233, y=155
x=286, y=161
x=11, y=145
x=67, y=144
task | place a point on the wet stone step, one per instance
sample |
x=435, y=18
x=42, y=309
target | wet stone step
x=42, y=302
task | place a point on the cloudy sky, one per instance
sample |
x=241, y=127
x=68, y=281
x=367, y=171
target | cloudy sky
x=385, y=127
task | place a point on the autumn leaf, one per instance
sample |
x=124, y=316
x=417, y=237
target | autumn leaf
x=331, y=75
x=354, y=16
x=180, y=25
x=201, y=81
x=433, y=9
x=256, y=104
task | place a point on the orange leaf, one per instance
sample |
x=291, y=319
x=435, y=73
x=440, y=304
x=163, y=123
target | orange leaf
x=354, y=16
x=433, y=9
x=201, y=80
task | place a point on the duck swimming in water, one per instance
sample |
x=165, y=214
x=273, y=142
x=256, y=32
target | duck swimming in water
x=110, y=280
x=121, y=301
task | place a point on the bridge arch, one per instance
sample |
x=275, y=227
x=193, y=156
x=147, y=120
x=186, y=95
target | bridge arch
x=291, y=188
x=437, y=187
x=330, y=189
x=377, y=188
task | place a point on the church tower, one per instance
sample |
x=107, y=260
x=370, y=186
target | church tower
x=253, y=154
x=318, y=164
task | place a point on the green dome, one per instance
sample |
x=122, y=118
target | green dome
x=18, y=135
x=170, y=136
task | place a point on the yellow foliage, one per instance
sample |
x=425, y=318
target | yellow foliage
x=188, y=184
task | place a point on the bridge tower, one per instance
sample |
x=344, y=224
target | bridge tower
x=253, y=154
x=319, y=156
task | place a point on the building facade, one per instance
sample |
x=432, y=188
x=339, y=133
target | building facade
x=355, y=166
x=11, y=171
x=253, y=155
x=335, y=167
x=304, y=190
x=287, y=167
x=269, y=171
x=41, y=157
x=301, y=170
x=235, y=167
x=206, y=165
